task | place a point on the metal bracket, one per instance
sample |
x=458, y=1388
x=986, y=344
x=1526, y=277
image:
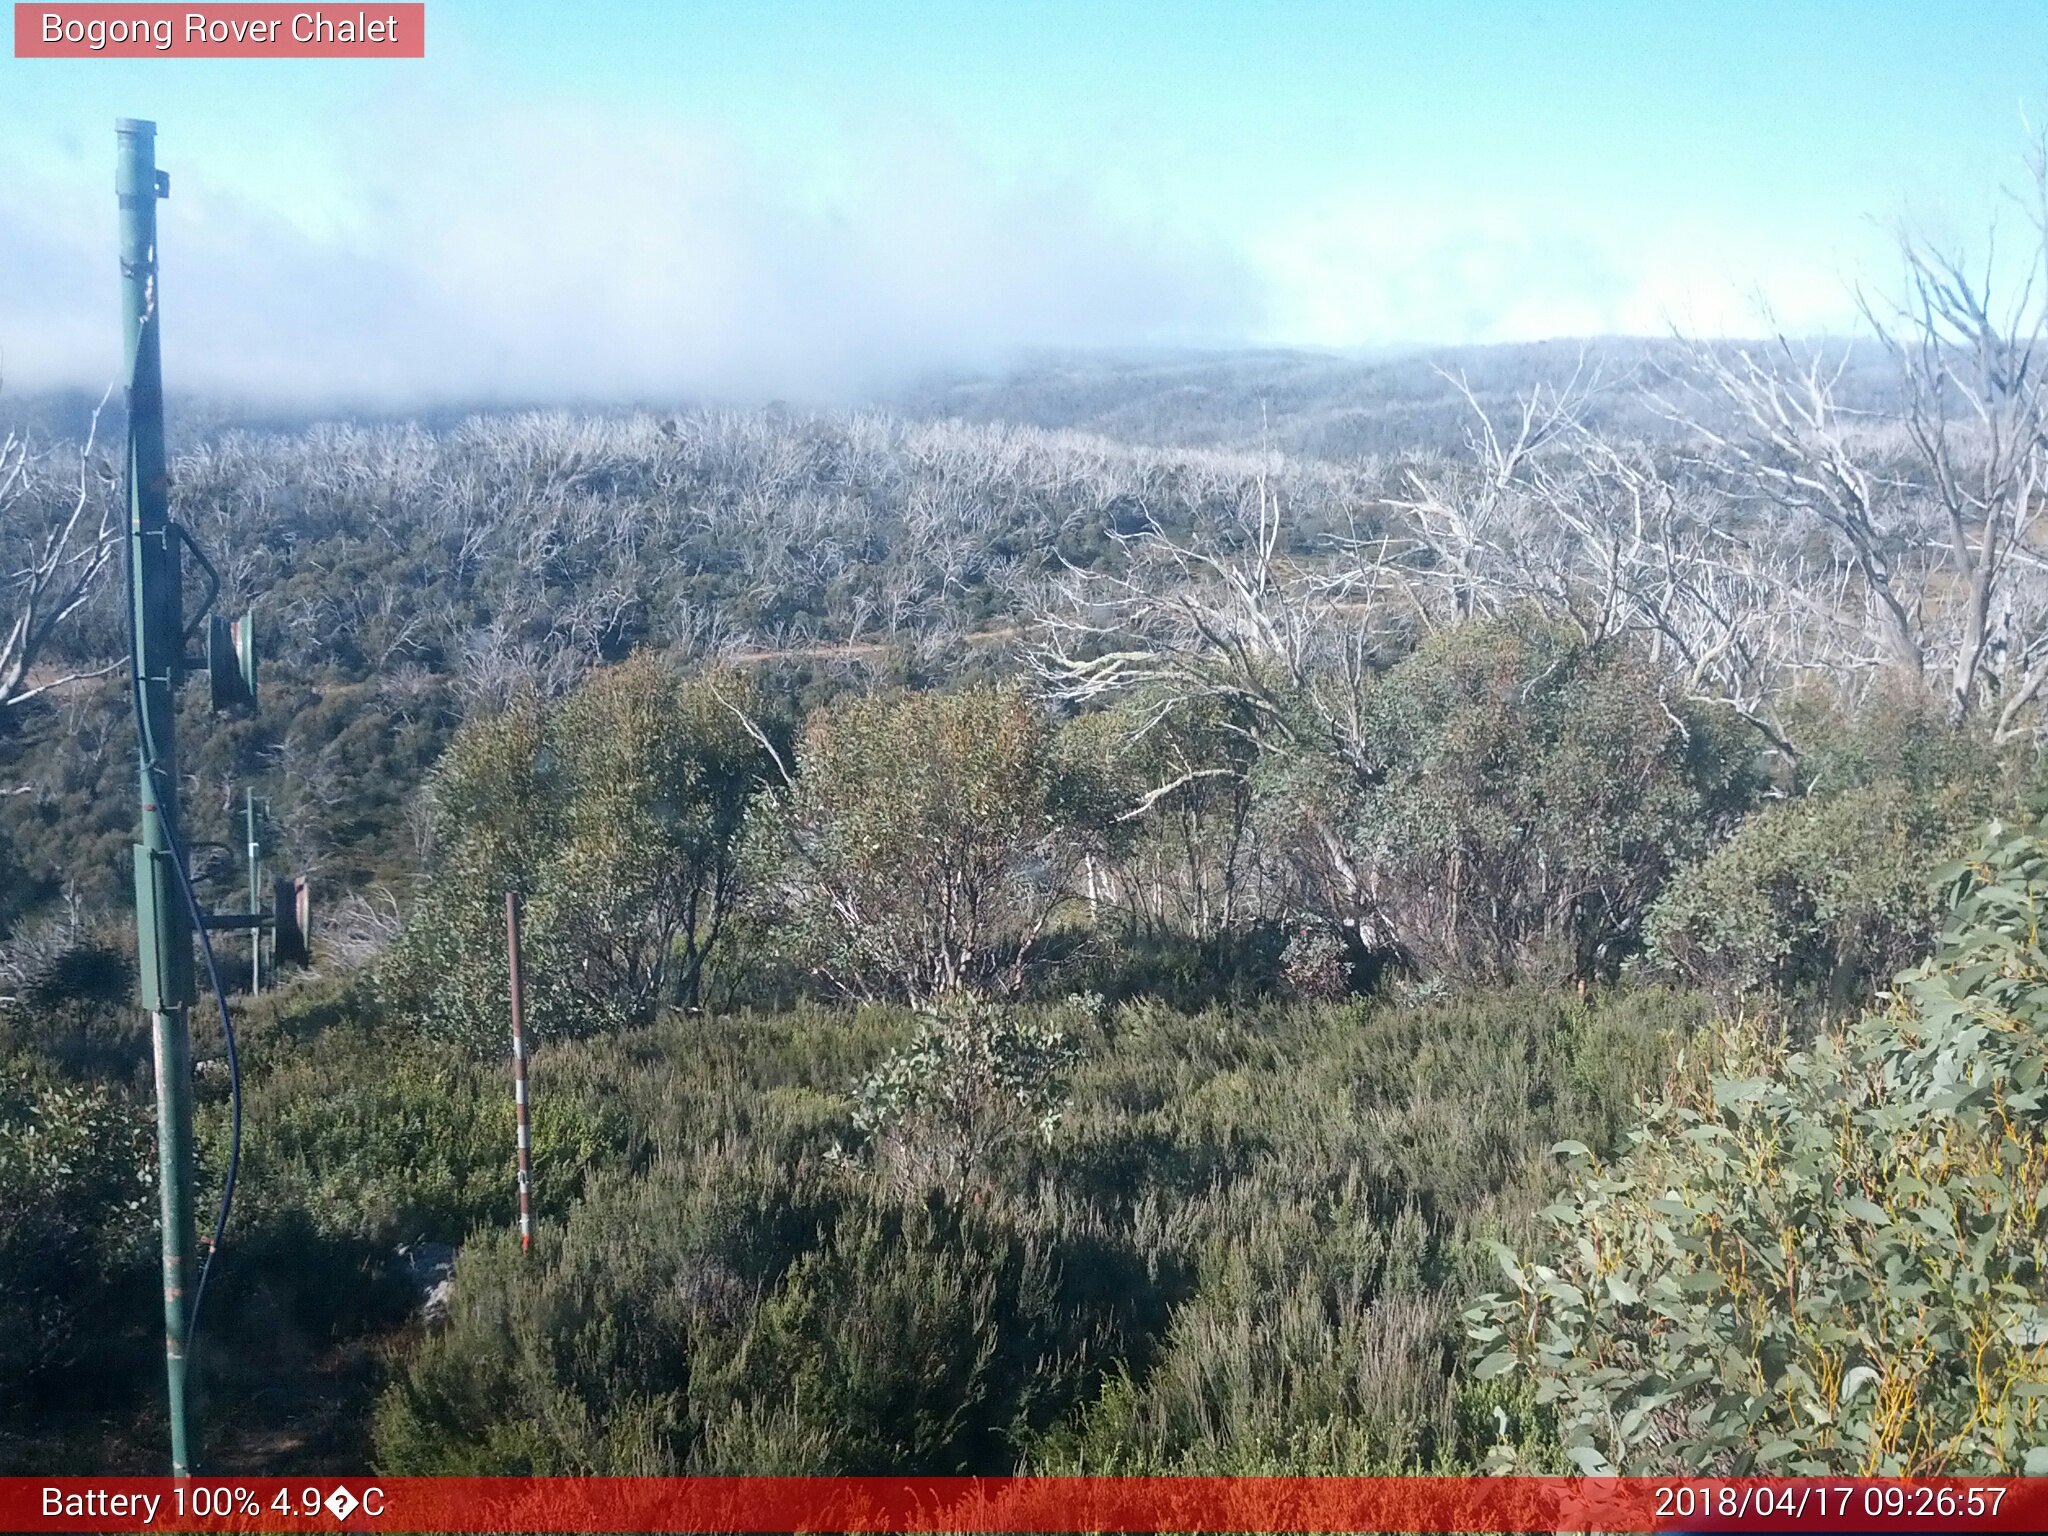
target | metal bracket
x=163, y=966
x=212, y=580
x=233, y=921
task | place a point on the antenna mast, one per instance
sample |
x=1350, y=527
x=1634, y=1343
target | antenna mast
x=167, y=910
x=156, y=659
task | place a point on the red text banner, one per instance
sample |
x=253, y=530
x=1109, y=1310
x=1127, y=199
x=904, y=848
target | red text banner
x=1023, y=1504
x=220, y=31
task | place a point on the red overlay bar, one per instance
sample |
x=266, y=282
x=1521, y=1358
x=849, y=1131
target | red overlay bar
x=1023, y=1504
x=372, y=30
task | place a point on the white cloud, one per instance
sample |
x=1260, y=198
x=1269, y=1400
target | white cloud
x=1360, y=273
x=583, y=255
x=587, y=257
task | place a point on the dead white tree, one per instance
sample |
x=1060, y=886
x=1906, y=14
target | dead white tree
x=1480, y=539
x=1615, y=541
x=62, y=541
x=1228, y=614
x=1729, y=612
x=1976, y=412
x=1783, y=448
x=1931, y=517
x=1277, y=646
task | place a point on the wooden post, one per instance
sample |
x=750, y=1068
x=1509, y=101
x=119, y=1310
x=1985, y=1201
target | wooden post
x=255, y=896
x=519, y=1075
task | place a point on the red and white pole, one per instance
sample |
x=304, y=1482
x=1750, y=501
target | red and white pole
x=519, y=1075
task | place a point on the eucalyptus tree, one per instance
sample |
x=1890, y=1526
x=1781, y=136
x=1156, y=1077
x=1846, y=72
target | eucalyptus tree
x=58, y=533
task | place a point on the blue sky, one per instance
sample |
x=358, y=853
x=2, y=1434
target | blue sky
x=612, y=199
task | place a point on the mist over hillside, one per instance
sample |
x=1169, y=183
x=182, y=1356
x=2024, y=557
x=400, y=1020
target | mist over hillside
x=1337, y=405
x=1323, y=405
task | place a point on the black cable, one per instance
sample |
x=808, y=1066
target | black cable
x=227, y=1029
x=146, y=749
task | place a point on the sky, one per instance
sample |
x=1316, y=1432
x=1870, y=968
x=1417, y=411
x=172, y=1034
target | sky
x=819, y=200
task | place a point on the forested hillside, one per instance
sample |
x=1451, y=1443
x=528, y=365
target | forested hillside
x=1330, y=405
x=1083, y=950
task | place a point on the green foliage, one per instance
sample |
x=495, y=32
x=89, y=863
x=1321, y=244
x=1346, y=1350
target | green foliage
x=618, y=812
x=1828, y=1261
x=1526, y=799
x=1903, y=737
x=929, y=1337
x=1239, y=965
x=1315, y=965
x=657, y=772
x=1814, y=900
x=575, y=1359
x=917, y=853
x=379, y=1136
x=1331, y=1358
x=1162, y=792
x=67, y=997
x=1821, y=898
x=448, y=970
x=1242, y=1246
x=732, y=1315
x=1325, y=1175
x=77, y=1186
x=978, y=1077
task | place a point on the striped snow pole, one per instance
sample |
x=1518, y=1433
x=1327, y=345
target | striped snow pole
x=519, y=1076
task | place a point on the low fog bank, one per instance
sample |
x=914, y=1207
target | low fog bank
x=1341, y=405
x=449, y=260
x=581, y=261
x=1323, y=405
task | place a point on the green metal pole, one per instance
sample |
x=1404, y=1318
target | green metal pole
x=164, y=933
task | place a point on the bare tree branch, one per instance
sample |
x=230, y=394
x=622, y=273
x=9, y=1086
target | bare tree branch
x=56, y=573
